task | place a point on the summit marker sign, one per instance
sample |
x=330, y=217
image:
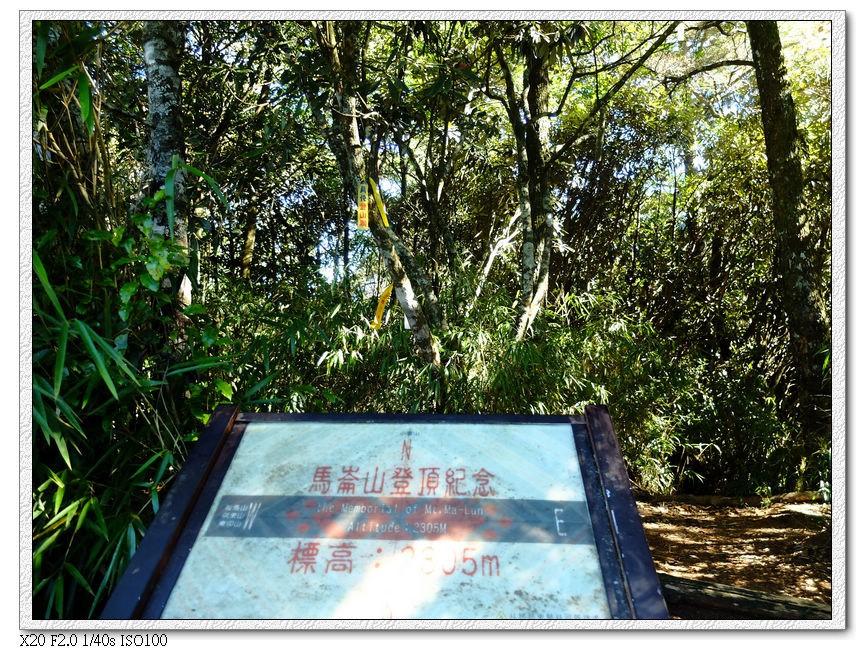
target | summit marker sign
x=424, y=517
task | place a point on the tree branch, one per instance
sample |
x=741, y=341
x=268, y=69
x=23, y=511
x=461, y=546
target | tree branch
x=612, y=91
x=711, y=66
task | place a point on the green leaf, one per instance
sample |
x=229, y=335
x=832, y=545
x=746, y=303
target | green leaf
x=58, y=77
x=436, y=87
x=167, y=458
x=193, y=271
x=100, y=520
x=130, y=540
x=264, y=382
x=40, y=417
x=213, y=184
x=108, y=574
x=198, y=364
x=47, y=237
x=84, y=99
x=82, y=516
x=128, y=290
x=224, y=388
x=58, y=495
x=194, y=309
x=158, y=264
x=209, y=336
x=149, y=282
x=330, y=397
x=41, y=584
x=47, y=543
x=253, y=152
x=46, y=285
x=71, y=196
x=169, y=198
x=97, y=358
x=41, y=44
x=97, y=235
x=72, y=418
x=117, y=235
x=147, y=464
x=60, y=441
x=58, y=596
x=76, y=575
x=122, y=363
x=471, y=74
x=69, y=510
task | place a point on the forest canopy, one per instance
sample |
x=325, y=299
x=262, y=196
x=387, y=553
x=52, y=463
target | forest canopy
x=559, y=213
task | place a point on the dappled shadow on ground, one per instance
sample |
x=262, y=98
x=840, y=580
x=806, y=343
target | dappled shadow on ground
x=783, y=549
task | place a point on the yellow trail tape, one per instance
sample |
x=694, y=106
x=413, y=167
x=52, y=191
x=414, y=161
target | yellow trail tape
x=379, y=203
x=362, y=206
x=379, y=312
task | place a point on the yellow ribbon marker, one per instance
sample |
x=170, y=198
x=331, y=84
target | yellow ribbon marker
x=362, y=206
x=379, y=203
x=379, y=312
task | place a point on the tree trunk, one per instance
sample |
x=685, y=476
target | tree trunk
x=531, y=136
x=248, y=240
x=793, y=260
x=344, y=141
x=538, y=151
x=163, y=43
x=346, y=275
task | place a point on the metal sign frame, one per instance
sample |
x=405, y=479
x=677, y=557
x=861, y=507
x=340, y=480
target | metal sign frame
x=632, y=587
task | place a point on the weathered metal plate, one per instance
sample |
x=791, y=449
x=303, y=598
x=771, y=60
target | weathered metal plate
x=402, y=520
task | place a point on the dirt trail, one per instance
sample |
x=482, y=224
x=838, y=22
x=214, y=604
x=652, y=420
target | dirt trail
x=783, y=549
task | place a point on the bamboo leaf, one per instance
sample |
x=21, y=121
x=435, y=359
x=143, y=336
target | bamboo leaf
x=72, y=418
x=69, y=510
x=58, y=596
x=60, y=360
x=46, y=285
x=99, y=518
x=58, y=496
x=147, y=464
x=40, y=417
x=122, y=363
x=167, y=458
x=60, y=441
x=82, y=516
x=41, y=584
x=41, y=45
x=108, y=574
x=264, y=382
x=84, y=99
x=97, y=358
x=58, y=77
x=130, y=540
x=197, y=364
x=47, y=543
x=76, y=575
x=213, y=184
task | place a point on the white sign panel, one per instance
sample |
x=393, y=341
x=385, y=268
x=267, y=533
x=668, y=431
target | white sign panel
x=396, y=520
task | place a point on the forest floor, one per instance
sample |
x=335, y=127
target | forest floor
x=779, y=548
